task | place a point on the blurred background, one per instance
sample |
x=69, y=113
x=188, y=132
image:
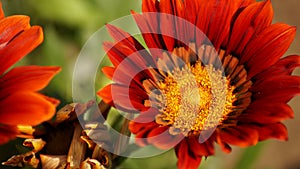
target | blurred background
x=67, y=26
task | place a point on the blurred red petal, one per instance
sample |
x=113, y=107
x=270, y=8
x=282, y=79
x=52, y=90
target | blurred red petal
x=11, y=26
x=20, y=46
x=1, y=11
x=31, y=78
x=26, y=108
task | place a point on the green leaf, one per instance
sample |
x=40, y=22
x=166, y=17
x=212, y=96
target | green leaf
x=249, y=156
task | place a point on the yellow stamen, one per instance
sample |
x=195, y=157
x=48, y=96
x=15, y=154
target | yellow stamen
x=195, y=98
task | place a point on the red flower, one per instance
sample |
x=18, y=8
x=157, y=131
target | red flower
x=184, y=96
x=20, y=102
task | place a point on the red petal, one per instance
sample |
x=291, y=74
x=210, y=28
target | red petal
x=215, y=20
x=279, y=82
x=20, y=46
x=169, y=27
x=204, y=149
x=32, y=78
x=185, y=159
x=26, y=108
x=128, y=74
x=224, y=146
x=175, y=30
x=162, y=139
x=284, y=66
x=124, y=97
x=244, y=3
x=242, y=136
x=105, y=94
x=202, y=23
x=128, y=63
x=122, y=77
x=150, y=6
x=127, y=57
x=11, y=26
x=142, y=125
x=277, y=88
x=252, y=20
x=1, y=11
x=265, y=112
x=109, y=72
x=7, y=132
x=143, y=121
x=119, y=53
x=53, y=101
x=277, y=130
x=191, y=9
x=266, y=49
x=219, y=29
x=136, y=127
x=124, y=38
x=149, y=27
x=147, y=116
x=141, y=137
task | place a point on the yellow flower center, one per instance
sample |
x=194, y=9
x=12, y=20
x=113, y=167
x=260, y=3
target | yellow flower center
x=194, y=98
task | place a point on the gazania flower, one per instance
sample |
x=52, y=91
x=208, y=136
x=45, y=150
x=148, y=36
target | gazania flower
x=192, y=93
x=21, y=106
